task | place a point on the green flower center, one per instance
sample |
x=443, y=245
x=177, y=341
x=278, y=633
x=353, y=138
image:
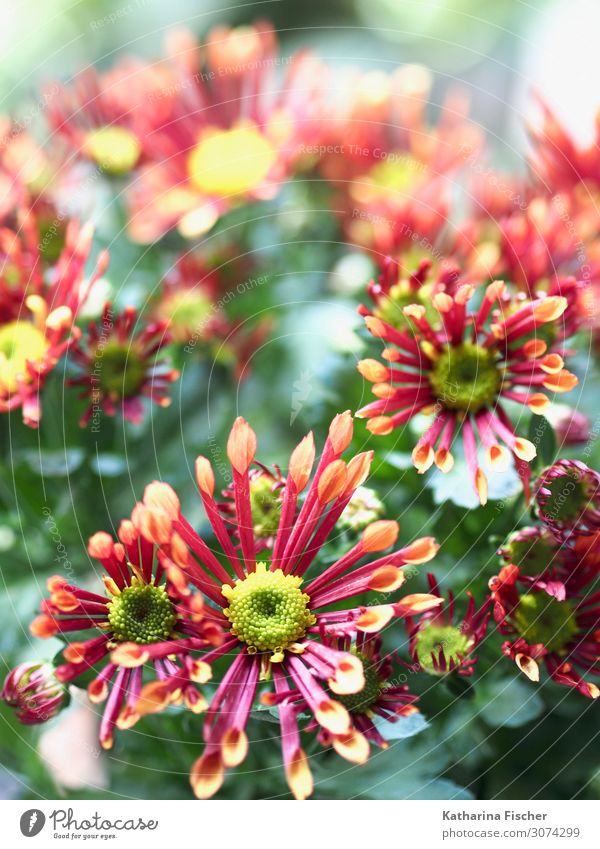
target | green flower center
x=465, y=377
x=20, y=341
x=568, y=497
x=533, y=554
x=266, y=506
x=120, y=369
x=435, y=638
x=540, y=618
x=362, y=701
x=390, y=307
x=115, y=149
x=187, y=312
x=141, y=614
x=267, y=610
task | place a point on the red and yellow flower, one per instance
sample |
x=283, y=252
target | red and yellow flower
x=280, y=625
x=39, y=311
x=120, y=365
x=143, y=618
x=233, y=135
x=554, y=617
x=460, y=365
x=438, y=644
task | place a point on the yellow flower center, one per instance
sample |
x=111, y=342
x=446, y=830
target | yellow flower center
x=231, y=162
x=115, y=149
x=268, y=611
x=20, y=341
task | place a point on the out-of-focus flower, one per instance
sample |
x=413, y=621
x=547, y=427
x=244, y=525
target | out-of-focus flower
x=233, y=136
x=38, y=311
x=557, y=161
x=572, y=427
x=33, y=690
x=265, y=503
x=438, y=644
x=142, y=618
x=532, y=549
x=363, y=508
x=379, y=697
x=554, y=617
x=188, y=301
x=107, y=118
x=462, y=372
x=392, y=166
x=120, y=365
x=278, y=626
x=567, y=498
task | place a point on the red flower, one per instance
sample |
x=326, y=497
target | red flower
x=233, y=134
x=33, y=690
x=438, y=644
x=143, y=618
x=461, y=365
x=279, y=627
x=553, y=616
x=567, y=498
x=379, y=697
x=39, y=311
x=120, y=366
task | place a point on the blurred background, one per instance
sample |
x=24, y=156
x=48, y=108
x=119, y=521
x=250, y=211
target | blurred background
x=499, y=50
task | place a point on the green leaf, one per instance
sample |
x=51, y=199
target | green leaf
x=541, y=433
x=508, y=702
x=405, y=726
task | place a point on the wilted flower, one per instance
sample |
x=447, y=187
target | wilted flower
x=38, y=312
x=142, y=618
x=278, y=626
x=553, y=616
x=33, y=690
x=438, y=643
x=462, y=372
x=120, y=365
x=567, y=498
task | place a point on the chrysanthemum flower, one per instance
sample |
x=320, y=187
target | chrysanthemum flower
x=554, y=617
x=266, y=491
x=34, y=692
x=233, y=135
x=438, y=643
x=188, y=300
x=567, y=498
x=363, y=508
x=279, y=624
x=391, y=165
x=572, y=427
x=558, y=161
x=462, y=372
x=379, y=697
x=38, y=316
x=532, y=549
x=142, y=618
x=120, y=365
x=106, y=117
